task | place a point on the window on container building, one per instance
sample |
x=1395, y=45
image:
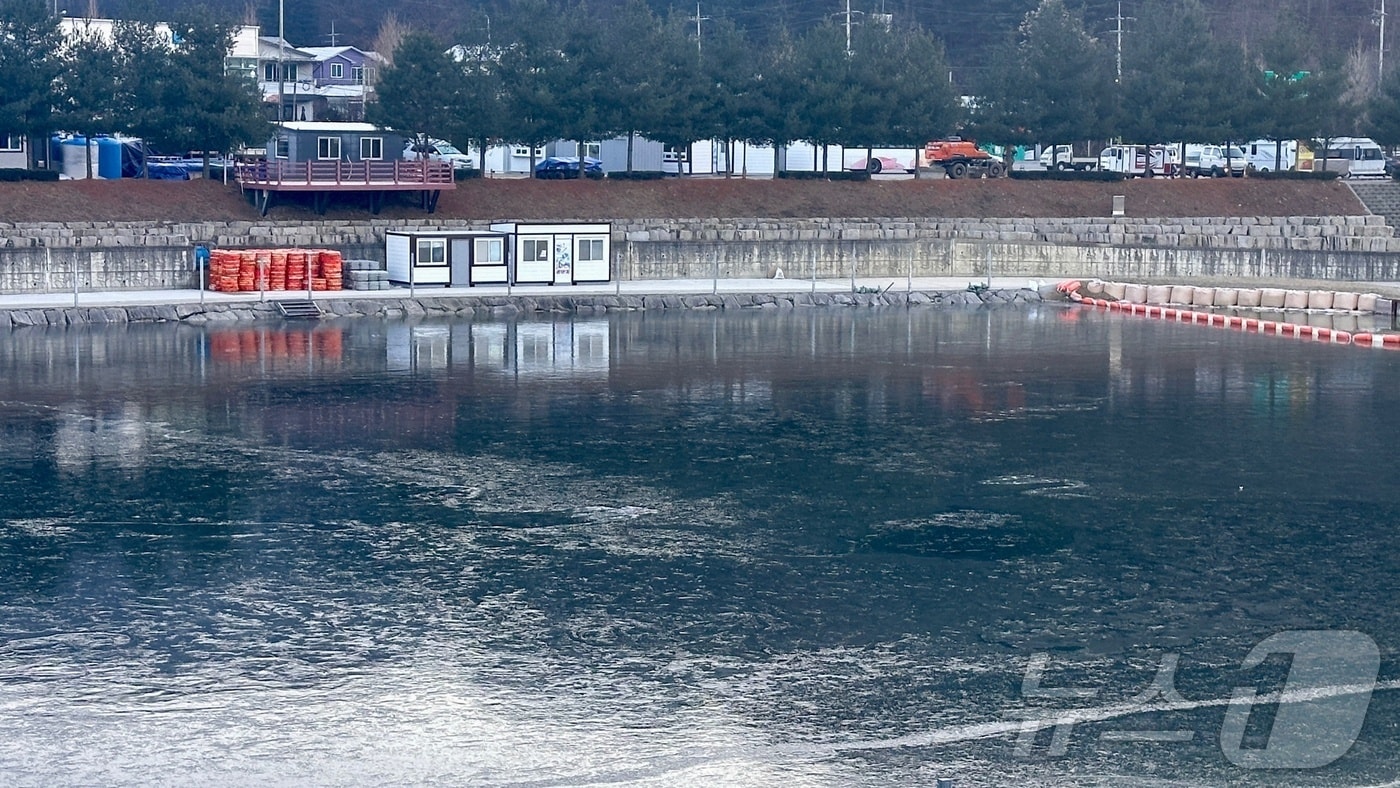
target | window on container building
x=432, y=251
x=489, y=250
x=590, y=250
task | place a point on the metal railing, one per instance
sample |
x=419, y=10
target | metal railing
x=280, y=173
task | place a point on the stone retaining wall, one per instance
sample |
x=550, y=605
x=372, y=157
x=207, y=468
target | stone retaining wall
x=500, y=306
x=45, y=257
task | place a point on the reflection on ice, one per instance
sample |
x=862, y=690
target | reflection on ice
x=565, y=347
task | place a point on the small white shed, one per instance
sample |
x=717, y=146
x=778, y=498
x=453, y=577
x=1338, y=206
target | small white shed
x=456, y=258
x=559, y=254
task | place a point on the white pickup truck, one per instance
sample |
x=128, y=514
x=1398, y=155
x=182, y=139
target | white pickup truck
x=1214, y=161
x=1062, y=157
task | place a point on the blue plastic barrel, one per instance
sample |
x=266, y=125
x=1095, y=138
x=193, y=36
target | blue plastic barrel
x=109, y=158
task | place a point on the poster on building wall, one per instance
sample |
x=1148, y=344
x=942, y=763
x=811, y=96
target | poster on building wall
x=563, y=261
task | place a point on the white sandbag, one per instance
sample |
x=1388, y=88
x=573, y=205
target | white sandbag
x=1345, y=301
x=1295, y=299
x=1272, y=298
x=1250, y=297
x=1226, y=296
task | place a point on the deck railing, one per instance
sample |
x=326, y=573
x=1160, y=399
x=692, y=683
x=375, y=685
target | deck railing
x=346, y=173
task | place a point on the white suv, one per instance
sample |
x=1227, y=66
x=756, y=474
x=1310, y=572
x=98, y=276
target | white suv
x=438, y=150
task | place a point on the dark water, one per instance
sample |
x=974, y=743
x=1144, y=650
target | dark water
x=813, y=548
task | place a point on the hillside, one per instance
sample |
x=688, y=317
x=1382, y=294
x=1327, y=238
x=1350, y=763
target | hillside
x=522, y=199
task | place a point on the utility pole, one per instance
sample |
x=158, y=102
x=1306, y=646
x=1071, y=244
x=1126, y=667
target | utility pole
x=1380, y=53
x=698, y=19
x=848, y=28
x=281, y=55
x=334, y=35
x=1118, y=34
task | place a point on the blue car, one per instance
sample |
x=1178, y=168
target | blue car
x=560, y=167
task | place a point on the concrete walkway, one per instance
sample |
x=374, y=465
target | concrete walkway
x=125, y=298
x=122, y=298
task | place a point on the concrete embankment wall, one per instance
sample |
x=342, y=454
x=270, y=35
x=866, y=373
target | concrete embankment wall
x=501, y=306
x=40, y=258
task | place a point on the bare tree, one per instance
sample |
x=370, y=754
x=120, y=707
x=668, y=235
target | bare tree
x=1359, y=86
x=390, y=35
x=1362, y=81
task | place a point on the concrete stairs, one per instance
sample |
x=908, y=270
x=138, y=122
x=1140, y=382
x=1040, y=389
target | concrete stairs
x=1381, y=197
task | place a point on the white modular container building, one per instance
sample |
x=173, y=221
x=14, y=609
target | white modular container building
x=558, y=254
x=450, y=258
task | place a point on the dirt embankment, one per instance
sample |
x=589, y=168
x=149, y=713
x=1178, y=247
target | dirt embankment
x=525, y=199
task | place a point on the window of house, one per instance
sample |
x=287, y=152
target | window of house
x=241, y=66
x=673, y=154
x=357, y=73
x=11, y=142
x=269, y=72
x=432, y=251
x=523, y=152
x=337, y=71
x=283, y=148
x=328, y=148
x=593, y=149
x=489, y=251
x=289, y=72
x=371, y=148
x=590, y=250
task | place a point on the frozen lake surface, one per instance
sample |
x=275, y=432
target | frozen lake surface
x=836, y=547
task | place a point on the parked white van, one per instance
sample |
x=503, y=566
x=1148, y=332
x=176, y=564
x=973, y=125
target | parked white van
x=1352, y=156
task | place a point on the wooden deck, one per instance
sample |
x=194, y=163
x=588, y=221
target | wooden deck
x=260, y=180
x=346, y=175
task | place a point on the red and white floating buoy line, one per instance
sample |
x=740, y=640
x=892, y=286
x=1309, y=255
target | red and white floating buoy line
x=1070, y=288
